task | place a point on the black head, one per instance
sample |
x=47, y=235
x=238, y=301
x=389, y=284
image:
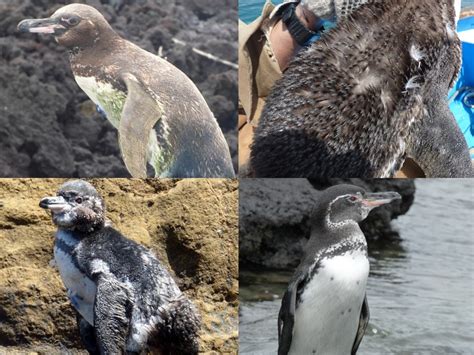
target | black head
x=76, y=206
x=74, y=25
x=340, y=205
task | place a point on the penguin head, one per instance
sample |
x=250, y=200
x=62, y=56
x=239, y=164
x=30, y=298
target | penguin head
x=73, y=26
x=76, y=206
x=340, y=205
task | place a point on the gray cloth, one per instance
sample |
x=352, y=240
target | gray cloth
x=333, y=9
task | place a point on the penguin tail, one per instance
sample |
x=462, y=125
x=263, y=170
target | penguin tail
x=178, y=333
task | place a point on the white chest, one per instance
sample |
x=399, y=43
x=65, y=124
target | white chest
x=105, y=95
x=80, y=289
x=327, y=317
x=112, y=101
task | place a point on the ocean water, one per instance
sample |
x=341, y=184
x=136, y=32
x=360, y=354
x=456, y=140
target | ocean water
x=250, y=9
x=467, y=3
x=420, y=290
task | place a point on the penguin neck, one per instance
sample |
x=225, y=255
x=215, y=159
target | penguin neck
x=95, y=50
x=83, y=231
x=335, y=236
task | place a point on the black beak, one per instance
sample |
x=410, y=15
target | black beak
x=44, y=25
x=55, y=204
x=376, y=199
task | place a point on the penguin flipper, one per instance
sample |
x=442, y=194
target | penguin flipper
x=139, y=115
x=112, y=313
x=437, y=144
x=286, y=317
x=363, y=323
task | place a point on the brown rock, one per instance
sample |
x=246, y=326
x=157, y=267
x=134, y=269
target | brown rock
x=190, y=224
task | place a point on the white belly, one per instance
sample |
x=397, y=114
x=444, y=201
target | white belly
x=327, y=317
x=110, y=100
x=80, y=289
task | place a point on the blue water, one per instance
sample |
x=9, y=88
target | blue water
x=467, y=3
x=249, y=10
x=465, y=86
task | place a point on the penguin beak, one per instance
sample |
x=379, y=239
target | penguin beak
x=377, y=199
x=55, y=204
x=45, y=25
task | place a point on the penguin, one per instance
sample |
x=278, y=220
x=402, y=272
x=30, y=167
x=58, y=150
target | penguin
x=324, y=309
x=126, y=300
x=366, y=96
x=161, y=116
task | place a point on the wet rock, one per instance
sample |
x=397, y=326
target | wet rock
x=274, y=216
x=191, y=225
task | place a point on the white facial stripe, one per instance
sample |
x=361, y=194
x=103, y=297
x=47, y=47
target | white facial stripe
x=345, y=222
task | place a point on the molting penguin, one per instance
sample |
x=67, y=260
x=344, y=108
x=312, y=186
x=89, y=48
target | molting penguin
x=370, y=93
x=125, y=299
x=160, y=114
x=325, y=310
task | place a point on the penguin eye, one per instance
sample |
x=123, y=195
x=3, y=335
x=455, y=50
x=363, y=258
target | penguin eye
x=352, y=198
x=78, y=199
x=71, y=21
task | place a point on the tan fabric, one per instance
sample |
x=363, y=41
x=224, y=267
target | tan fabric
x=258, y=67
x=245, y=139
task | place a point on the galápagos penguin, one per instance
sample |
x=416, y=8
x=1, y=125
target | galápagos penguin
x=126, y=301
x=161, y=116
x=370, y=93
x=325, y=310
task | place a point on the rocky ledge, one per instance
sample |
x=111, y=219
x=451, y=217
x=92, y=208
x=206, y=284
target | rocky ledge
x=191, y=225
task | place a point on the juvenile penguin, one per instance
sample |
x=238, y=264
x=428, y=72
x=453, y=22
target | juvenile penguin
x=325, y=310
x=126, y=301
x=160, y=114
x=370, y=93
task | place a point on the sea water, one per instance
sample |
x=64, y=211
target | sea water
x=249, y=10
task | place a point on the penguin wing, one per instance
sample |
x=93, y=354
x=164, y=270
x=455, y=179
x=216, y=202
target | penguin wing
x=112, y=312
x=139, y=115
x=438, y=145
x=363, y=322
x=286, y=317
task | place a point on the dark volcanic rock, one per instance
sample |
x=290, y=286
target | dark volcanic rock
x=274, y=216
x=48, y=126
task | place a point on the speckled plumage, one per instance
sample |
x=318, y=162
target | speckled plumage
x=368, y=94
x=125, y=298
